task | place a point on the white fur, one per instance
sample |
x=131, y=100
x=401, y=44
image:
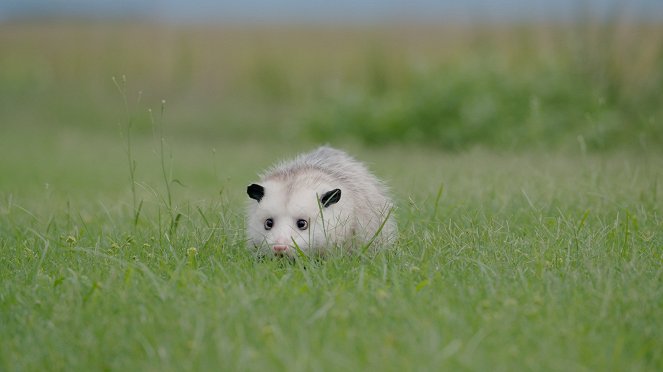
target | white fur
x=292, y=191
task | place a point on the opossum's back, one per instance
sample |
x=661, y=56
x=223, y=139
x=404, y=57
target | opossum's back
x=336, y=163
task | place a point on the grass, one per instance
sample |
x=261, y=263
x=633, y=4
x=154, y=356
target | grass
x=512, y=256
x=539, y=262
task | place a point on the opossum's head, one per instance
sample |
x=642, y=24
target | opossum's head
x=283, y=217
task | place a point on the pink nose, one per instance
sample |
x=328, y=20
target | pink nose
x=279, y=248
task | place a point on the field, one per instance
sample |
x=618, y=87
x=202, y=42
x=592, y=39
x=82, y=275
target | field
x=525, y=161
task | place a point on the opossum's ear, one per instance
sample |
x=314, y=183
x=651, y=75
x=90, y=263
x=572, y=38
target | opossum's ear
x=255, y=191
x=330, y=197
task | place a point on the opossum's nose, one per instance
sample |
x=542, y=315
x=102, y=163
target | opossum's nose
x=279, y=248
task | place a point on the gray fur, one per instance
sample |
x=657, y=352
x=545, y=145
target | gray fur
x=360, y=212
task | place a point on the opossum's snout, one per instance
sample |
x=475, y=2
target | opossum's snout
x=279, y=248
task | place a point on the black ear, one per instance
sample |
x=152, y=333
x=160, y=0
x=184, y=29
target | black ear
x=330, y=197
x=255, y=191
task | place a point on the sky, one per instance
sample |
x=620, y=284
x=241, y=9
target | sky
x=327, y=11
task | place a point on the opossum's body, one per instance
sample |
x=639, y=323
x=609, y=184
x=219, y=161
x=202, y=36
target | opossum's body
x=319, y=200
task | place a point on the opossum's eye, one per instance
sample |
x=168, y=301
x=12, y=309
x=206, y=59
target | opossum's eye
x=302, y=224
x=269, y=223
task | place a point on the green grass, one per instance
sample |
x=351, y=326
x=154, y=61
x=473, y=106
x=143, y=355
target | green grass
x=524, y=248
x=525, y=262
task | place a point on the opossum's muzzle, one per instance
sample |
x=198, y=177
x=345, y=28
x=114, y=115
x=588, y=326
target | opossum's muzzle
x=279, y=248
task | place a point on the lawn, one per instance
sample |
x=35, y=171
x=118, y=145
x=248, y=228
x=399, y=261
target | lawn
x=531, y=234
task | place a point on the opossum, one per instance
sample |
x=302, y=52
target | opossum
x=320, y=200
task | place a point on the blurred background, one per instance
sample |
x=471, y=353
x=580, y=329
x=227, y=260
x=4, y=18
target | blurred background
x=281, y=76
